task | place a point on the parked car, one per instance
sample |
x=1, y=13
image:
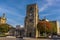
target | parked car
x=53, y=36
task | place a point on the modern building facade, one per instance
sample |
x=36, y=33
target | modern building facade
x=58, y=31
x=55, y=27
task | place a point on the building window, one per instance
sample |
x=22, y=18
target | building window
x=31, y=20
x=31, y=9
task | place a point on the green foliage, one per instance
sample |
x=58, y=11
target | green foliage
x=4, y=28
x=2, y=35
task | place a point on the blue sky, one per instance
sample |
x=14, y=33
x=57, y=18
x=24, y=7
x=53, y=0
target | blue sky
x=15, y=10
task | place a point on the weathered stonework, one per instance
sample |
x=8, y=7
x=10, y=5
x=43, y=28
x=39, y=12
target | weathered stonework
x=31, y=20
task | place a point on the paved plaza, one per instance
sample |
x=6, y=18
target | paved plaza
x=4, y=38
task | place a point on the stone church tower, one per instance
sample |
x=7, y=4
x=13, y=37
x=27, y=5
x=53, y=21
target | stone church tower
x=31, y=20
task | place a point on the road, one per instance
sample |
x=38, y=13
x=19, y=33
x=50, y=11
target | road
x=4, y=38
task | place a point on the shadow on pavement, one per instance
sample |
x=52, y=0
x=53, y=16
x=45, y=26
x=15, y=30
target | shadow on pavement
x=19, y=39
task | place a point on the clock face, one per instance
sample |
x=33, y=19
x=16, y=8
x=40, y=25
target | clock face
x=31, y=9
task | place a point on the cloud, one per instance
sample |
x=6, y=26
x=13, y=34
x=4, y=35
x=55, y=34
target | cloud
x=45, y=14
x=48, y=14
x=45, y=6
x=9, y=12
x=50, y=2
x=22, y=26
x=13, y=17
x=12, y=22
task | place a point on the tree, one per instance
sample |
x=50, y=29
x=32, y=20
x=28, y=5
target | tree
x=4, y=28
x=44, y=26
